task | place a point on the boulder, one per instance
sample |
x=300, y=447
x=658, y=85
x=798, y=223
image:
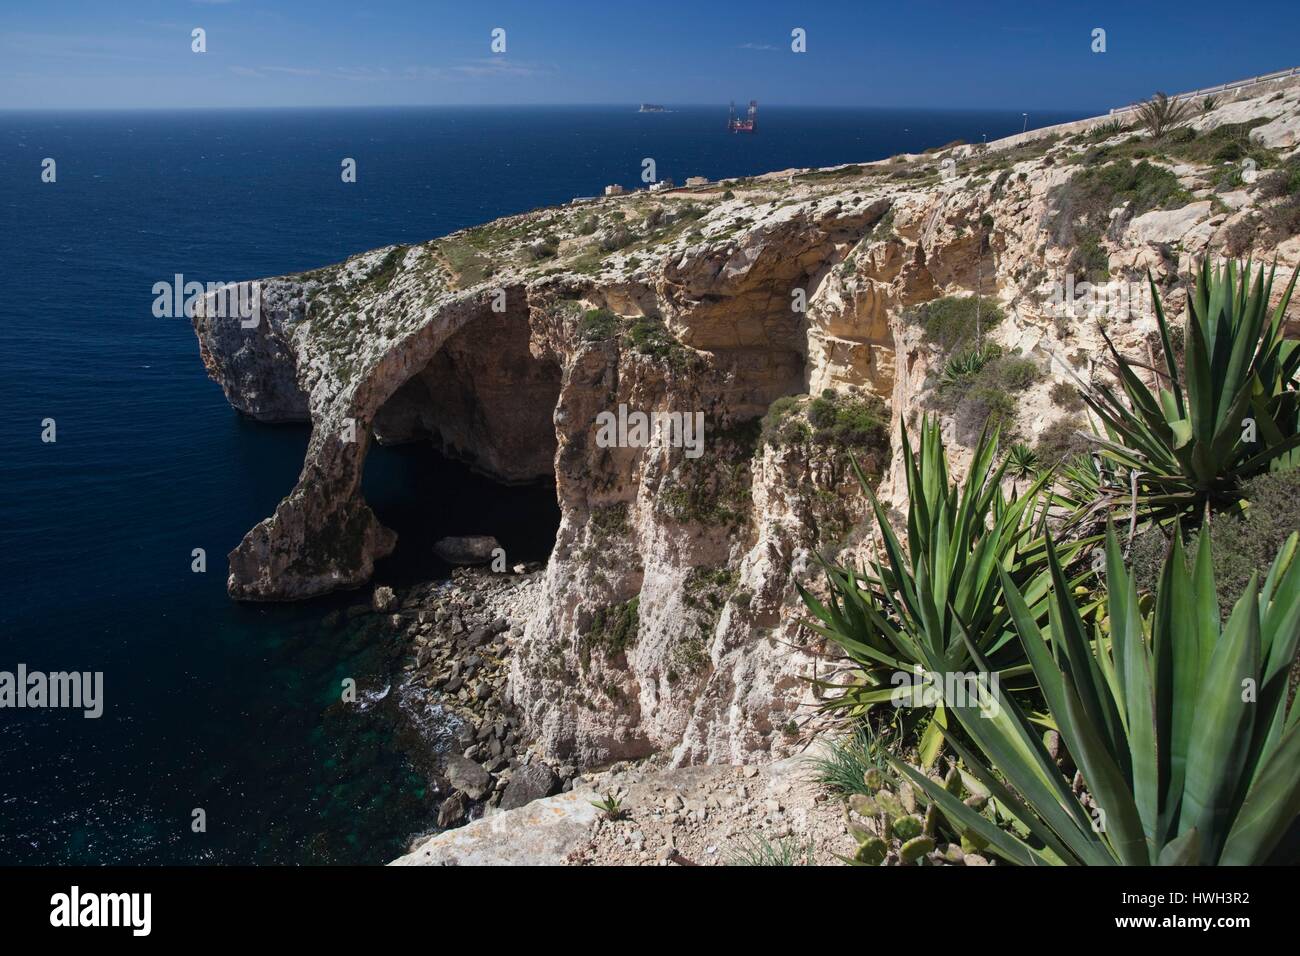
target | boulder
x=529, y=783
x=1282, y=133
x=1167, y=225
x=452, y=812
x=383, y=600
x=470, y=549
x=543, y=833
x=465, y=775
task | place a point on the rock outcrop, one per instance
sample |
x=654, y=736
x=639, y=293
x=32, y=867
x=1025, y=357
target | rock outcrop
x=669, y=622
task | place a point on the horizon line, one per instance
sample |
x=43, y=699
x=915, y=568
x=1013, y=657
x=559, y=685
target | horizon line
x=416, y=106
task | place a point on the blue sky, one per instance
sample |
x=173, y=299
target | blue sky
x=907, y=53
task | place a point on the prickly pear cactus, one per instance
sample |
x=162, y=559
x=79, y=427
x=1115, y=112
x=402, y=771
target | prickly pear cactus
x=915, y=849
x=895, y=825
x=871, y=851
x=908, y=827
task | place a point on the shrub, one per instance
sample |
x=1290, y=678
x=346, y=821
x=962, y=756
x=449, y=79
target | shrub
x=1089, y=260
x=782, y=425
x=1081, y=206
x=849, y=422
x=1064, y=395
x=1013, y=373
x=1283, y=219
x=950, y=322
x=987, y=397
x=845, y=421
x=597, y=325
x=1240, y=235
x=1281, y=183
x=1060, y=441
x=982, y=406
x=650, y=336
x=1246, y=542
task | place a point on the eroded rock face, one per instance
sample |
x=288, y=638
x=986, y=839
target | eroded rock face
x=670, y=621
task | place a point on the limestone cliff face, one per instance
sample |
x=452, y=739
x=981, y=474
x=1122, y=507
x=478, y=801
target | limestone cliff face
x=670, y=622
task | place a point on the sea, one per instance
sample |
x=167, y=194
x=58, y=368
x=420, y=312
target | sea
x=223, y=739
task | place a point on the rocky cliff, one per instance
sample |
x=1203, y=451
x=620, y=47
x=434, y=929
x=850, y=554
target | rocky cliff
x=784, y=310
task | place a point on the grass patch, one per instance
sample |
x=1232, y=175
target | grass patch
x=758, y=850
x=466, y=264
x=846, y=760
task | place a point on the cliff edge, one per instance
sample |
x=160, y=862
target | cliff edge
x=786, y=311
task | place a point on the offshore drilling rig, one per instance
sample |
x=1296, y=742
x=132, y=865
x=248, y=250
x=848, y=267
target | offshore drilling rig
x=747, y=125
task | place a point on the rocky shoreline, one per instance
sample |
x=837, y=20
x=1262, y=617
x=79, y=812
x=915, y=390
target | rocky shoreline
x=462, y=634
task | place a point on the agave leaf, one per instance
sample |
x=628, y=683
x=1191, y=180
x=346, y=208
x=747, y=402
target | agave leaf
x=932, y=739
x=1269, y=809
x=1183, y=851
x=1221, y=735
x=1122, y=823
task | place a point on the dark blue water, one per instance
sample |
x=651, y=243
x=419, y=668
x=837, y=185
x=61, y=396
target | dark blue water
x=211, y=704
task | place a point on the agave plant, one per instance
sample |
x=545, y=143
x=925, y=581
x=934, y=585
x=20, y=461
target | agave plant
x=907, y=612
x=1022, y=461
x=1180, y=726
x=1231, y=413
x=1160, y=114
x=1111, y=127
x=969, y=362
x=610, y=806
